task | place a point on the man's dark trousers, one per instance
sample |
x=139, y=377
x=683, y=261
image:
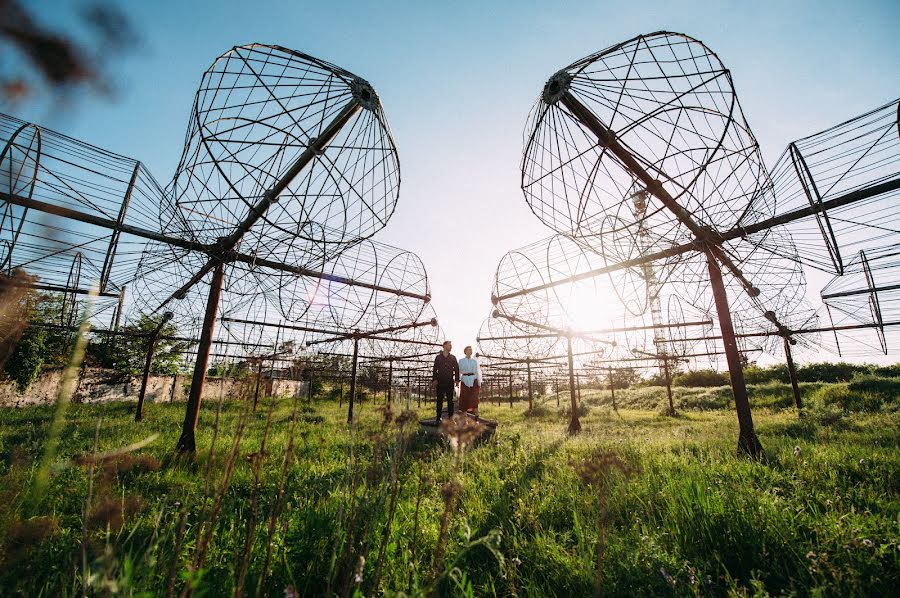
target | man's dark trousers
x=444, y=390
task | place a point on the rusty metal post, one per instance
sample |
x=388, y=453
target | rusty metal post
x=151, y=348
x=510, y=390
x=408, y=388
x=114, y=237
x=187, y=442
x=612, y=389
x=792, y=372
x=258, y=380
x=574, y=423
x=748, y=443
x=530, y=393
x=117, y=318
x=390, y=380
x=665, y=361
x=578, y=385
x=353, y=371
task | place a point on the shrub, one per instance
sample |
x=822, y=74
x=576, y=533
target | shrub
x=582, y=410
x=887, y=371
x=841, y=396
x=884, y=390
x=24, y=365
x=701, y=378
x=764, y=375
x=828, y=415
x=831, y=372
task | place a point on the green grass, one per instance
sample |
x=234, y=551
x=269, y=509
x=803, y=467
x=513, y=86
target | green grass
x=679, y=515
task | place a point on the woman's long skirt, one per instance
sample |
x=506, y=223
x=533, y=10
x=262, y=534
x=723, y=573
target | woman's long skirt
x=468, y=397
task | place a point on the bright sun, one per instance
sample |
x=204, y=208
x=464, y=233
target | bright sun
x=590, y=308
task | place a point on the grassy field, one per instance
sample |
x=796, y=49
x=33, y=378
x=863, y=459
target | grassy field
x=636, y=504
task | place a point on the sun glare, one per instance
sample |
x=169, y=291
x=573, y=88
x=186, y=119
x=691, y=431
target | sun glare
x=590, y=308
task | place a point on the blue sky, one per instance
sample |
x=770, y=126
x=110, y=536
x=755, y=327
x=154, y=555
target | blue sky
x=457, y=80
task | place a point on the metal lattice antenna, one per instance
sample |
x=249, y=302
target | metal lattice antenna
x=657, y=118
x=868, y=294
x=848, y=177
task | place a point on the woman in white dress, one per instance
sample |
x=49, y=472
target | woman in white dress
x=470, y=383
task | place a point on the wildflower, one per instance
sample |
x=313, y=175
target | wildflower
x=289, y=592
x=869, y=543
x=597, y=468
x=358, y=576
x=387, y=415
x=692, y=575
x=23, y=534
x=516, y=561
x=461, y=431
x=811, y=555
x=796, y=451
x=861, y=461
x=669, y=579
x=451, y=490
x=405, y=417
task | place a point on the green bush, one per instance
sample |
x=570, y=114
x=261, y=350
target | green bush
x=885, y=390
x=887, y=371
x=701, y=378
x=764, y=375
x=842, y=397
x=831, y=372
x=24, y=365
x=582, y=410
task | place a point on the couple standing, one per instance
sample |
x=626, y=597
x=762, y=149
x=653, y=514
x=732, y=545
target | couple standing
x=447, y=373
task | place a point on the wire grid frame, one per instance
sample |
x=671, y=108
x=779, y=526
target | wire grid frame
x=670, y=101
x=669, y=104
x=258, y=109
x=327, y=302
x=41, y=165
x=546, y=261
x=859, y=155
x=868, y=293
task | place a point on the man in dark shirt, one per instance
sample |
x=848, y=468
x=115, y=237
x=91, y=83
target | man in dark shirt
x=444, y=378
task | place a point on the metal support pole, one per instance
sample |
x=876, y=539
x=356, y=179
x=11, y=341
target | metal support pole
x=792, y=372
x=341, y=396
x=530, y=394
x=665, y=361
x=309, y=389
x=187, y=442
x=154, y=338
x=353, y=371
x=274, y=357
x=389, y=380
x=114, y=237
x=408, y=388
x=118, y=317
x=612, y=389
x=574, y=423
x=578, y=385
x=556, y=380
x=119, y=308
x=748, y=443
x=510, y=391
x=258, y=380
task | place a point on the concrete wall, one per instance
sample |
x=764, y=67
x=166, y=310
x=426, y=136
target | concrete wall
x=96, y=385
